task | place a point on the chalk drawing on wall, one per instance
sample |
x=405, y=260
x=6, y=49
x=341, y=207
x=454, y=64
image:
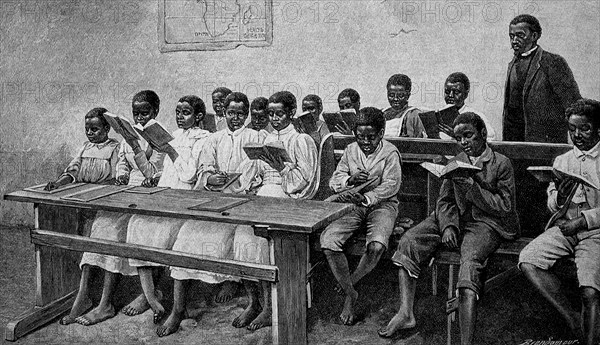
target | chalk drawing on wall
x=214, y=24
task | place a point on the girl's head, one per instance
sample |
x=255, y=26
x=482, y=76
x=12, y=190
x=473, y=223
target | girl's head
x=96, y=126
x=237, y=108
x=189, y=112
x=144, y=106
x=218, y=98
x=258, y=113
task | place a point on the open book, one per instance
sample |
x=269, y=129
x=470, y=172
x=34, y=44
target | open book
x=442, y=170
x=120, y=125
x=432, y=119
x=547, y=174
x=154, y=133
x=346, y=116
x=369, y=185
x=273, y=149
x=306, y=122
x=231, y=178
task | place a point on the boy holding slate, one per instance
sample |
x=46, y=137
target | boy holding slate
x=574, y=228
x=474, y=213
x=368, y=158
x=401, y=119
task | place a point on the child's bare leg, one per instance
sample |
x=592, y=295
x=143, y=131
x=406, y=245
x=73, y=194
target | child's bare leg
x=172, y=323
x=253, y=308
x=264, y=318
x=405, y=317
x=82, y=301
x=228, y=290
x=467, y=314
x=368, y=261
x=152, y=295
x=341, y=272
x=105, y=309
x=590, y=315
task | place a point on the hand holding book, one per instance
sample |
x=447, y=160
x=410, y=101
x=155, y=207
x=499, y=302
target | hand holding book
x=359, y=178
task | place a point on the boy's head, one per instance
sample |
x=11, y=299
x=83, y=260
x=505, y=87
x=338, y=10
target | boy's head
x=258, y=113
x=314, y=105
x=96, y=126
x=349, y=99
x=190, y=111
x=145, y=106
x=237, y=108
x=369, y=129
x=398, y=91
x=282, y=108
x=583, y=118
x=524, y=31
x=456, y=89
x=470, y=132
x=218, y=98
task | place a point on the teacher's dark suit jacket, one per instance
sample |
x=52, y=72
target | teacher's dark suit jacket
x=548, y=90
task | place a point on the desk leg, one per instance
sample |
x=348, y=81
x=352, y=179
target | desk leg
x=289, y=252
x=57, y=273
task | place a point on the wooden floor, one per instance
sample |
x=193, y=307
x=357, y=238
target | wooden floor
x=507, y=316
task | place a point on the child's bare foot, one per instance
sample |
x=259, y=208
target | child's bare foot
x=227, y=292
x=77, y=310
x=137, y=306
x=397, y=324
x=96, y=315
x=262, y=320
x=249, y=314
x=157, y=308
x=171, y=325
x=347, y=315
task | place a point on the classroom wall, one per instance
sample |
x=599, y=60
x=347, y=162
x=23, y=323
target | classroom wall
x=61, y=58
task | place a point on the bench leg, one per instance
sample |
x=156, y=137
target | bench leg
x=452, y=316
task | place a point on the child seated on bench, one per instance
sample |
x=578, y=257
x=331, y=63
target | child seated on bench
x=474, y=213
x=369, y=157
x=218, y=97
x=574, y=229
x=314, y=105
x=348, y=99
x=259, y=119
x=401, y=119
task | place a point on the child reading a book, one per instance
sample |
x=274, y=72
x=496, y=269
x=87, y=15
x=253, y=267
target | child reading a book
x=348, y=99
x=376, y=209
x=259, y=119
x=401, y=119
x=314, y=105
x=295, y=179
x=574, y=229
x=180, y=172
x=221, y=157
x=475, y=212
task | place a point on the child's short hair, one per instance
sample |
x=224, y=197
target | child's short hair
x=585, y=107
x=222, y=89
x=350, y=93
x=459, y=77
x=469, y=118
x=259, y=103
x=98, y=113
x=237, y=97
x=284, y=97
x=400, y=80
x=370, y=116
x=314, y=98
x=147, y=96
x=197, y=104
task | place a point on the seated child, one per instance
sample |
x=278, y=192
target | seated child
x=474, y=212
x=179, y=172
x=314, y=105
x=217, y=119
x=348, y=99
x=95, y=163
x=401, y=119
x=277, y=179
x=574, y=229
x=456, y=91
x=259, y=119
x=222, y=154
x=369, y=157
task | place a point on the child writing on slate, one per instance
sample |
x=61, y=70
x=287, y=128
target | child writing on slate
x=401, y=119
x=222, y=154
x=369, y=157
x=179, y=172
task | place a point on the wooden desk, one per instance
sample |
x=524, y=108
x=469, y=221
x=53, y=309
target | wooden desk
x=286, y=223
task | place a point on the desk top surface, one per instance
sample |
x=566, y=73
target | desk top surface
x=280, y=213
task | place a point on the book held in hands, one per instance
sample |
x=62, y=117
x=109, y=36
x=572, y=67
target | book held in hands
x=369, y=185
x=306, y=122
x=548, y=174
x=154, y=133
x=432, y=119
x=342, y=118
x=442, y=171
x=272, y=150
x=120, y=125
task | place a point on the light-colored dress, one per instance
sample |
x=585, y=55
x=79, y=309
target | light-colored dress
x=138, y=166
x=161, y=232
x=223, y=151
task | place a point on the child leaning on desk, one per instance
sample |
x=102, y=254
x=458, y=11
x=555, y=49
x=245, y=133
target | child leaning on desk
x=179, y=172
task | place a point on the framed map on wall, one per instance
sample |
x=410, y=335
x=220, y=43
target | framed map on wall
x=214, y=24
